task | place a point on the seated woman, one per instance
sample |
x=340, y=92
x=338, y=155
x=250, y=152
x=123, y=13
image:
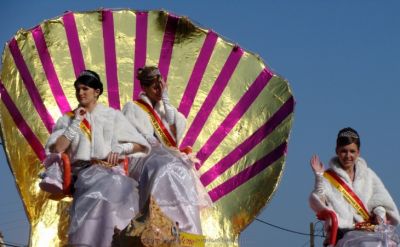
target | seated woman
x=363, y=206
x=94, y=136
x=166, y=174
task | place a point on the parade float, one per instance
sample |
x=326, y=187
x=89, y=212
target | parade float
x=239, y=111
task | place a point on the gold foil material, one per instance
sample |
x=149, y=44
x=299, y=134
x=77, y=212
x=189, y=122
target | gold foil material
x=229, y=215
x=57, y=45
x=184, y=56
x=90, y=32
x=214, y=67
x=253, y=119
x=246, y=72
x=125, y=32
x=155, y=26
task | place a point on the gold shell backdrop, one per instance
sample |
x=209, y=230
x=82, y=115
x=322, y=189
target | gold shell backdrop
x=239, y=112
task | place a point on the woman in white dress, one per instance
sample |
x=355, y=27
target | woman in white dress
x=365, y=210
x=166, y=174
x=95, y=138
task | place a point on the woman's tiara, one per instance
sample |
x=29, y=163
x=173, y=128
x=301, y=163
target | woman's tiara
x=150, y=75
x=87, y=73
x=348, y=134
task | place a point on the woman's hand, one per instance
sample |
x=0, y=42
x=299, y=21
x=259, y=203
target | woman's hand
x=163, y=85
x=80, y=113
x=380, y=215
x=316, y=165
x=112, y=158
x=379, y=220
x=71, y=131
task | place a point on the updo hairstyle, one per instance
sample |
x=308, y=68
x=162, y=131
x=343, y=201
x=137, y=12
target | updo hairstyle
x=91, y=79
x=347, y=136
x=147, y=74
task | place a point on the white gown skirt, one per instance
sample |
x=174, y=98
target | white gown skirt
x=386, y=238
x=170, y=179
x=103, y=199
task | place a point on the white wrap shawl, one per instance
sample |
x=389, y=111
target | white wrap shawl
x=109, y=127
x=368, y=187
x=140, y=119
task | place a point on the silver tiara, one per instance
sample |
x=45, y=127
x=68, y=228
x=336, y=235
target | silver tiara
x=88, y=73
x=152, y=74
x=349, y=133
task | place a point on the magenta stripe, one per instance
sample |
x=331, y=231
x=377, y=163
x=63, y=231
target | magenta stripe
x=246, y=146
x=140, y=49
x=111, y=59
x=49, y=70
x=167, y=46
x=21, y=124
x=235, y=115
x=247, y=174
x=73, y=43
x=30, y=85
x=213, y=96
x=197, y=73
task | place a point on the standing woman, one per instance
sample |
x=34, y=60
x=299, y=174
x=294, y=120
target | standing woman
x=166, y=174
x=356, y=194
x=95, y=136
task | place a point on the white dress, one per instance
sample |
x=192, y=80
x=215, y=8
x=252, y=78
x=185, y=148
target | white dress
x=104, y=198
x=167, y=174
x=370, y=189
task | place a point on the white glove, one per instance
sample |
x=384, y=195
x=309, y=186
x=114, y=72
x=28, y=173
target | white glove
x=73, y=129
x=123, y=148
x=380, y=213
x=318, y=187
x=152, y=140
x=169, y=109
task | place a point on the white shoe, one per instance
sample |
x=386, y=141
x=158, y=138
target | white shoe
x=51, y=185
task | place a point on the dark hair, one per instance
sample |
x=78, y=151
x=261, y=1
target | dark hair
x=90, y=79
x=348, y=136
x=147, y=74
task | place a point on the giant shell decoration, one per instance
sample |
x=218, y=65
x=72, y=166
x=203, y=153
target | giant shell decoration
x=239, y=112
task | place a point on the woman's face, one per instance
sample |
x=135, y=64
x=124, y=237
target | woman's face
x=348, y=155
x=154, y=91
x=85, y=95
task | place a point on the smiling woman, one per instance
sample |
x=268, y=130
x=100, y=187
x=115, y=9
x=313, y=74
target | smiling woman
x=365, y=210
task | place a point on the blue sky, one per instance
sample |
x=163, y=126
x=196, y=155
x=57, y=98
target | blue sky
x=342, y=59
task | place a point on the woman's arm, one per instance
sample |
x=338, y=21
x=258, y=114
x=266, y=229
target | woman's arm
x=129, y=139
x=317, y=198
x=170, y=112
x=140, y=121
x=57, y=142
x=381, y=202
x=64, y=141
x=318, y=168
x=125, y=149
x=61, y=145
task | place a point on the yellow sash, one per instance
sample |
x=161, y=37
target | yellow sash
x=347, y=193
x=158, y=125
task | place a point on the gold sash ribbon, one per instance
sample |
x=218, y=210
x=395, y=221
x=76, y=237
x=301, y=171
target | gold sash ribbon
x=347, y=193
x=159, y=127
